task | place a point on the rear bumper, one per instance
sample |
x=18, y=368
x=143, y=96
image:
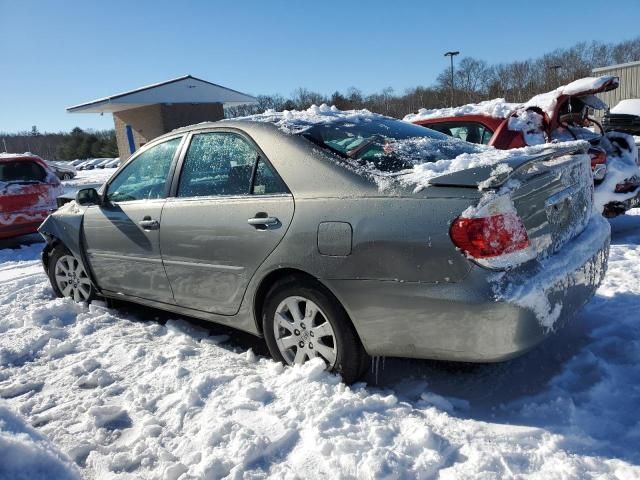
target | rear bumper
x=486, y=318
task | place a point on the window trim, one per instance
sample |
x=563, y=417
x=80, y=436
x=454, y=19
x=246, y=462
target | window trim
x=261, y=156
x=134, y=157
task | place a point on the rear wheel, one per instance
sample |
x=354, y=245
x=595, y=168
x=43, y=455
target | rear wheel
x=68, y=277
x=302, y=320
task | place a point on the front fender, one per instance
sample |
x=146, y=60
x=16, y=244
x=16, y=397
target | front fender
x=65, y=226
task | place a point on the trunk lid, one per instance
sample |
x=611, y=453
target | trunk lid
x=552, y=192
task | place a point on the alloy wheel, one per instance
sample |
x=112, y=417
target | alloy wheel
x=302, y=332
x=71, y=279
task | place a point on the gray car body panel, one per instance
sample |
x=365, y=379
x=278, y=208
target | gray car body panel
x=406, y=288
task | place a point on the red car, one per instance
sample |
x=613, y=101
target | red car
x=28, y=191
x=559, y=115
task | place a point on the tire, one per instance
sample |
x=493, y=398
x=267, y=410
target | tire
x=321, y=327
x=68, y=277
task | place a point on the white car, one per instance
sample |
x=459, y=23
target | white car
x=115, y=163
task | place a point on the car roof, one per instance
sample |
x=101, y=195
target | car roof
x=6, y=157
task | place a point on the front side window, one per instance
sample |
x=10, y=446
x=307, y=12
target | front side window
x=145, y=177
x=217, y=163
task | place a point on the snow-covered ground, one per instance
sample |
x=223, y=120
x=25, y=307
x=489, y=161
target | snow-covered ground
x=131, y=392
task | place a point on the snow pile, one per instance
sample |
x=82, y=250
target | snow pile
x=496, y=108
x=628, y=107
x=531, y=124
x=621, y=165
x=27, y=455
x=423, y=173
x=125, y=396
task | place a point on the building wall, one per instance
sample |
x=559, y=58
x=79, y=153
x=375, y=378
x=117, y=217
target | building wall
x=146, y=123
x=629, y=74
x=152, y=121
x=178, y=115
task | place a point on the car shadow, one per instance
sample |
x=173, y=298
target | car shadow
x=23, y=240
x=625, y=229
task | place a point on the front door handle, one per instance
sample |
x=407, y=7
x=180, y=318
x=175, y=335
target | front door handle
x=147, y=223
x=263, y=222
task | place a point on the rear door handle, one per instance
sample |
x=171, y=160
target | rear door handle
x=263, y=221
x=147, y=223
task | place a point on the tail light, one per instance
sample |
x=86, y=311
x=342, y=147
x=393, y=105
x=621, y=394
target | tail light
x=598, y=163
x=492, y=236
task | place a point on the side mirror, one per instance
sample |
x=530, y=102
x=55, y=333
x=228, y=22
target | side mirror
x=88, y=196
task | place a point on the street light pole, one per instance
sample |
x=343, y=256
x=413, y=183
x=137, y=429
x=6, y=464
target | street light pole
x=451, y=55
x=556, y=77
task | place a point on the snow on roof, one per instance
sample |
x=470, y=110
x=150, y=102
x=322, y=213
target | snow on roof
x=497, y=108
x=5, y=155
x=628, y=107
x=296, y=121
x=583, y=86
x=185, y=89
x=429, y=156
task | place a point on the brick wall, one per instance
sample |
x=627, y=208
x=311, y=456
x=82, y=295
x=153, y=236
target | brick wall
x=146, y=123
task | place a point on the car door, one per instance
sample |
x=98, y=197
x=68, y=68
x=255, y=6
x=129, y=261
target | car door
x=122, y=234
x=229, y=212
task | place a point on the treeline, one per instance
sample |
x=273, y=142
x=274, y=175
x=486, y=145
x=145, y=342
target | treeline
x=61, y=146
x=474, y=80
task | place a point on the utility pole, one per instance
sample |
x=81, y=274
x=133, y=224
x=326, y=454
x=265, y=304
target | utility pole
x=555, y=69
x=451, y=55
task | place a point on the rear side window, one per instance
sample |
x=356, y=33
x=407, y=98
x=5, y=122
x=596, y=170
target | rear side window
x=217, y=163
x=22, y=171
x=267, y=181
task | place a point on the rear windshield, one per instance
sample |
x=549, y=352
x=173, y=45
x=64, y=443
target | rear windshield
x=22, y=172
x=386, y=145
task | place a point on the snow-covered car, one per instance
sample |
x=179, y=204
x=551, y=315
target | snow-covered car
x=114, y=163
x=28, y=191
x=82, y=164
x=341, y=235
x=64, y=170
x=103, y=163
x=90, y=164
x=557, y=116
x=625, y=118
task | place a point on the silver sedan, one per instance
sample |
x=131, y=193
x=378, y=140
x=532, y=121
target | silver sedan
x=314, y=235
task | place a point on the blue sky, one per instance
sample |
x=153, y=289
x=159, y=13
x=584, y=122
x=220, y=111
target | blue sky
x=57, y=54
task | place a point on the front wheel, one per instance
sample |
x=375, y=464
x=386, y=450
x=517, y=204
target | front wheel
x=302, y=321
x=68, y=276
